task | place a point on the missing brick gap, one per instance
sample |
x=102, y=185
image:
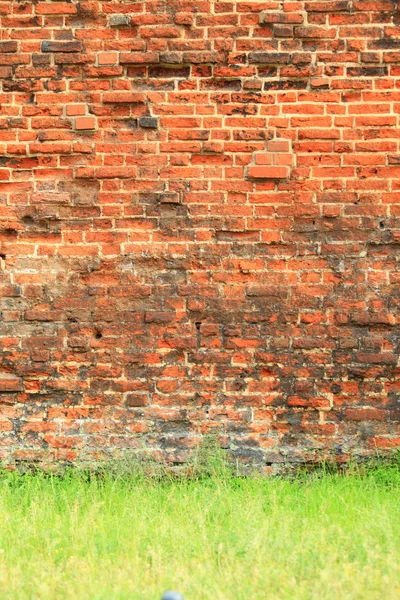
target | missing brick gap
x=198, y=324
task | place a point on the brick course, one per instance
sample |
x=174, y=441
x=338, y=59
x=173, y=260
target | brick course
x=199, y=229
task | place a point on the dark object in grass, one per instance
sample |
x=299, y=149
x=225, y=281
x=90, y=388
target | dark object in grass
x=172, y=596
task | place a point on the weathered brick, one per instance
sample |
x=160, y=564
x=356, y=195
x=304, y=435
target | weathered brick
x=8, y=46
x=278, y=146
x=319, y=82
x=119, y=20
x=169, y=198
x=148, y=122
x=57, y=8
x=272, y=58
x=268, y=17
x=124, y=98
x=139, y=58
x=8, y=383
x=69, y=46
x=283, y=31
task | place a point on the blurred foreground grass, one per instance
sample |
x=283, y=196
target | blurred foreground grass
x=327, y=536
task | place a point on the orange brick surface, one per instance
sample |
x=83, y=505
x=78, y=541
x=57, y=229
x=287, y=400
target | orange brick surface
x=107, y=58
x=263, y=158
x=266, y=172
x=73, y=110
x=199, y=230
x=85, y=123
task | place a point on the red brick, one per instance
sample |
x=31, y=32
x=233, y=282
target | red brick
x=283, y=159
x=57, y=8
x=278, y=146
x=139, y=58
x=365, y=414
x=318, y=82
x=136, y=400
x=263, y=159
x=267, y=172
x=73, y=110
x=107, y=58
x=123, y=98
x=9, y=383
x=8, y=46
x=85, y=123
x=60, y=46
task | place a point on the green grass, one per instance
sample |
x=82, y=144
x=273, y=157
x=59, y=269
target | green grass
x=329, y=537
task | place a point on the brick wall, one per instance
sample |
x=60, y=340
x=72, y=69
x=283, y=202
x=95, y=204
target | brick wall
x=200, y=209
